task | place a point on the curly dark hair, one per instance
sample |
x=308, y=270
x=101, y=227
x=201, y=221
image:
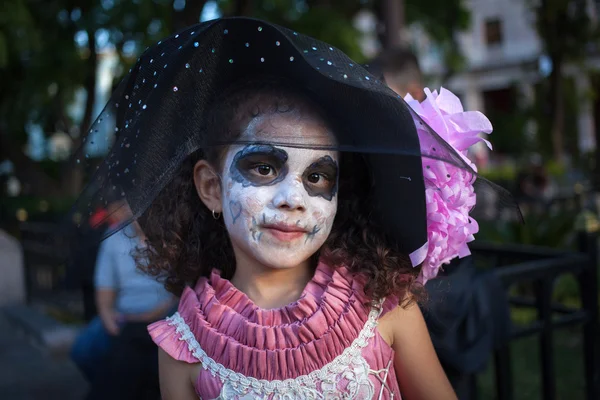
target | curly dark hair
x=185, y=242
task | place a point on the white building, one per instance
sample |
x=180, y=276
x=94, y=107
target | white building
x=502, y=49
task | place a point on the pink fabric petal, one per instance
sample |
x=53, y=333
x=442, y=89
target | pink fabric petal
x=449, y=191
x=471, y=121
x=418, y=256
x=448, y=102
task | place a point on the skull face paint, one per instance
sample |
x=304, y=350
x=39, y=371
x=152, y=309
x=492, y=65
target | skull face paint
x=280, y=202
x=254, y=163
x=324, y=166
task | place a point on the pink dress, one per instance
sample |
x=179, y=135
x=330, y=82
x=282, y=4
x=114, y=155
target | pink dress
x=323, y=346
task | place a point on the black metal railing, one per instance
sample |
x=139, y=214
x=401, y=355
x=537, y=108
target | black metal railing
x=540, y=267
x=44, y=272
x=47, y=278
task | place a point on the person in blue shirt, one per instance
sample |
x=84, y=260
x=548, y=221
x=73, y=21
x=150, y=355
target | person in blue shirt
x=125, y=298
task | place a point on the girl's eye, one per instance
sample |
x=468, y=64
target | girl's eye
x=263, y=169
x=314, y=178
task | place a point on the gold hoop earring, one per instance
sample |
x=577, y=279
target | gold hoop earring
x=215, y=214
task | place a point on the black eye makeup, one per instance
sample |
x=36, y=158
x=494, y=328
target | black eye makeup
x=265, y=165
x=321, y=178
x=259, y=165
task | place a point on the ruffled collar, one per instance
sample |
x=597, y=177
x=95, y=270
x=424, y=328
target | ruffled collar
x=228, y=295
x=295, y=339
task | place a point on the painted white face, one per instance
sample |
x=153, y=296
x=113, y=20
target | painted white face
x=279, y=203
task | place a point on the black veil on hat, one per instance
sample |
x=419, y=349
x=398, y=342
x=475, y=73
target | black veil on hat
x=158, y=114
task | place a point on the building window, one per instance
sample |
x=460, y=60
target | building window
x=493, y=32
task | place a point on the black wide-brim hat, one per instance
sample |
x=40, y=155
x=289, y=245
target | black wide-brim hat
x=158, y=111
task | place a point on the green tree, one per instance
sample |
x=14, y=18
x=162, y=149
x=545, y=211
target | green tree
x=328, y=20
x=331, y=20
x=566, y=30
x=442, y=20
x=43, y=66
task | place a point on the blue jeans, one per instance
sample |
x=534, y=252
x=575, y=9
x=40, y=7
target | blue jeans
x=91, y=347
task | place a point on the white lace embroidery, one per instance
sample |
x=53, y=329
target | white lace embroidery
x=346, y=377
x=383, y=380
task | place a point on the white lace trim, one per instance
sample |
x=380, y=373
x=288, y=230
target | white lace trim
x=305, y=386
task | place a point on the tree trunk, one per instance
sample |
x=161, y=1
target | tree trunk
x=557, y=109
x=550, y=14
x=73, y=174
x=596, y=177
x=596, y=174
x=394, y=21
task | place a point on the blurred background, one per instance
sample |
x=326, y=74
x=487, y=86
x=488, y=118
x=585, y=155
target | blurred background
x=532, y=66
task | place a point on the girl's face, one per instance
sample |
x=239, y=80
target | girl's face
x=279, y=202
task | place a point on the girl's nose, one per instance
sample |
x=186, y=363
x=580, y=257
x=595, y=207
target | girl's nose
x=290, y=195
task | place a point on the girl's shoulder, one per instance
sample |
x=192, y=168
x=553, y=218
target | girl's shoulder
x=418, y=369
x=404, y=329
x=396, y=318
x=176, y=334
x=169, y=335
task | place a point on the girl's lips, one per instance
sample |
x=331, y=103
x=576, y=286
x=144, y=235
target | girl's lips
x=284, y=233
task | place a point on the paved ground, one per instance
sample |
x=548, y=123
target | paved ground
x=27, y=372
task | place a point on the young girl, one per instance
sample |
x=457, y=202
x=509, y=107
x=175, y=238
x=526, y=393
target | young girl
x=281, y=190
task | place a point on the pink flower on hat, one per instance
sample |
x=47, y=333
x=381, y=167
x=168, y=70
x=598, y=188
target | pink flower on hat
x=449, y=191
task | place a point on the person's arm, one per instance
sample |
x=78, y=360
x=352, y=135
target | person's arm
x=174, y=376
x=105, y=281
x=105, y=303
x=154, y=314
x=419, y=372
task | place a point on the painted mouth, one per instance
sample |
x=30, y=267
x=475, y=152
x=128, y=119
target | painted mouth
x=283, y=232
